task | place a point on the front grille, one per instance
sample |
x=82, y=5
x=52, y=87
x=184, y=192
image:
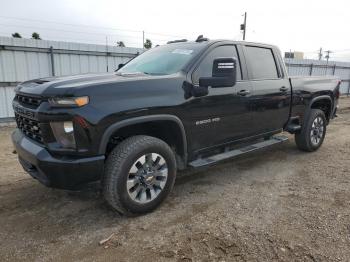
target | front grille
x=29, y=127
x=28, y=100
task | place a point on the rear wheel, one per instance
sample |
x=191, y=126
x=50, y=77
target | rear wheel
x=313, y=131
x=139, y=174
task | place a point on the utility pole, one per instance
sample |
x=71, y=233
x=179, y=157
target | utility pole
x=244, y=25
x=107, y=53
x=143, y=39
x=320, y=54
x=327, y=56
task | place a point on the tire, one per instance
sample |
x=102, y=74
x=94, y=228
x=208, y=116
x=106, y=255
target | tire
x=314, y=126
x=135, y=180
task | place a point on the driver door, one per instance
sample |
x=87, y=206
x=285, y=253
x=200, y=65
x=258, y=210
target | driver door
x=223, y=115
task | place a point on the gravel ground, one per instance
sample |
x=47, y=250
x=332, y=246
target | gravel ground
x=278, y=204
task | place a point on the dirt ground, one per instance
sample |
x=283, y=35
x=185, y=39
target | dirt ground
x=278, y=204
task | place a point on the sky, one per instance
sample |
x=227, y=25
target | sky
x=298, y=25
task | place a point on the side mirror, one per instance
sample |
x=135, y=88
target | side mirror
x=192, y=91
x=119, y=66
x=224, y=74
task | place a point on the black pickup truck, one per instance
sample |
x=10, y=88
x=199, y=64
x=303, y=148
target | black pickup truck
x=186, y=104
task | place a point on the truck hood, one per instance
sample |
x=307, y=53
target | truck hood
x=72, y=85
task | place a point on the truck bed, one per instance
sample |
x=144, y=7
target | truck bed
x=308, y=89
x=314, y=83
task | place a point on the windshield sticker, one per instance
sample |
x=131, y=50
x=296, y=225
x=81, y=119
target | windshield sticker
x=182, y=51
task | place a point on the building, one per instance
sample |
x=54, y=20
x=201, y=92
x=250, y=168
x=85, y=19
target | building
x=294, y=55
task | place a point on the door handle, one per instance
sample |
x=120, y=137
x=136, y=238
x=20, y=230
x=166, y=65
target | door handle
x=284, y=89
x=243, y=92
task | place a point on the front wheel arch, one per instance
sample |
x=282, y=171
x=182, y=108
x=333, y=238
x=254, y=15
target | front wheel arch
x=170, y=123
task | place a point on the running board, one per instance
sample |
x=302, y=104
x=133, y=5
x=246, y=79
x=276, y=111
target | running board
x=236, y=152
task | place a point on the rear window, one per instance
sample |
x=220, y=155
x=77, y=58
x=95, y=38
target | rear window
x=262, y=63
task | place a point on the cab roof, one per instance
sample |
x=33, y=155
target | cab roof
x=208, y=42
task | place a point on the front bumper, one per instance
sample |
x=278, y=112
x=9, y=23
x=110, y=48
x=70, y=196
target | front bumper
x=59, y=172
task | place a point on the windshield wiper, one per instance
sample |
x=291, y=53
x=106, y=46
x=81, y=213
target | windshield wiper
x=154, y=74
x=129, y=73
x=138, y=73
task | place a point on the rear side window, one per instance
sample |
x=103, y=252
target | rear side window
x=205, y=68
x=262, y=63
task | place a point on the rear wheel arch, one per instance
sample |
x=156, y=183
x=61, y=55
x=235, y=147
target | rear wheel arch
x=168, y=128
x=323, y=103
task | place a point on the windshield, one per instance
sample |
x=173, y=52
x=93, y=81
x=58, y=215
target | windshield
x=162, y=60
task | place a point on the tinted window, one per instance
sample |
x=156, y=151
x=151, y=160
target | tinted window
x=205, y=69
x=262, y=63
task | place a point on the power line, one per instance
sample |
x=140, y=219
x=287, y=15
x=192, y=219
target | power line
x=67, y=24
x=341, y=50
x=85, y=33
x=68, y=31
x=100, y=41
x=84, y=25
x=162, y=39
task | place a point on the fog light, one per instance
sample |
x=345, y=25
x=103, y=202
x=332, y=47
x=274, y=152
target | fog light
x=68, y=127
x=64, y=133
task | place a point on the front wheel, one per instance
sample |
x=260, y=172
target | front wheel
x=313, y=131
x=139, y=174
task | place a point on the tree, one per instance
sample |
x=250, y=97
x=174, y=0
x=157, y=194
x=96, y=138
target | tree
x=120, y=44
x=36, y=36
x=147, y=44
x=16, y=35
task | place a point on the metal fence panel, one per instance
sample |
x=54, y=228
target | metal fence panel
x=308, y=67
x=23, y=59
x=6, y=96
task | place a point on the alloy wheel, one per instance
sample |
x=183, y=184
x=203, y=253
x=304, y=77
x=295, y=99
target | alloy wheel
x=147, y=178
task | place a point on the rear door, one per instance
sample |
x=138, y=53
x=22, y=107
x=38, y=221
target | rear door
x=271, y=94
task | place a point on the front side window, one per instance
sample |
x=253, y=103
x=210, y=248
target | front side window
x=205, y=68
x=262, y=63
x=162, y=60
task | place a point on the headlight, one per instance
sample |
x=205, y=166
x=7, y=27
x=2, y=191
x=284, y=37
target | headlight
x=64, y=133
x=69, y=101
